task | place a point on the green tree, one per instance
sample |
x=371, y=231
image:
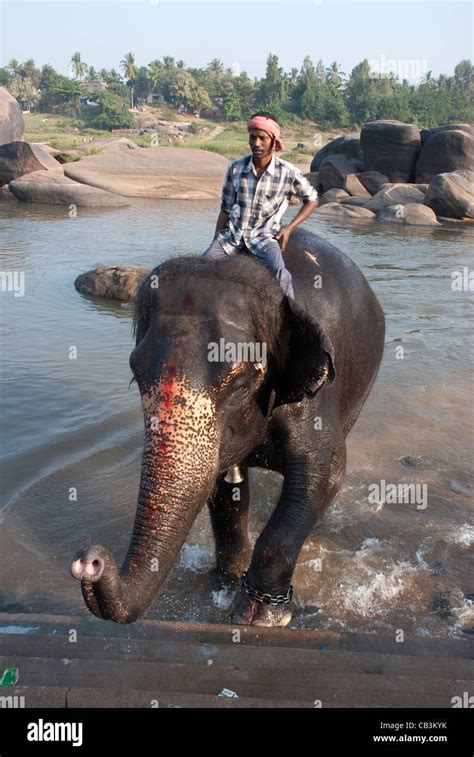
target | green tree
x=92, y=75
x=334, y=77
x=79, y=68
x=142, y=84
x=272, y=88
x=155, y=71
x=361, y=95
x=112, y=113
x=61, y=93
x=186, y=90
x=5, y=77
x=129, y=70
x=13, y=67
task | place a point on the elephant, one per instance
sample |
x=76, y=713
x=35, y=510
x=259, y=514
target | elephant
x=208, y=419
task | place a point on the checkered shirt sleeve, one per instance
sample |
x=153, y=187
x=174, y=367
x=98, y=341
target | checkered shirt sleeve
x=228, y=197
x=302, y=188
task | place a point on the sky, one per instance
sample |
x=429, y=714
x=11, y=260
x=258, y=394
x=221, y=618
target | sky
x=412, y=36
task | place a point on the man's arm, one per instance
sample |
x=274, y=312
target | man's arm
x=228, y=198
x=303, y=214
x=221, y=221
x=301, y=188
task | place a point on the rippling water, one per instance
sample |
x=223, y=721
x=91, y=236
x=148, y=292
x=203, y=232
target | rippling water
x=76, y=423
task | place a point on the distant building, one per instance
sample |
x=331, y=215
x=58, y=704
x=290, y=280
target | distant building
x=84, y=100
x=213, y=112
x=153, y=98
x=96, y=85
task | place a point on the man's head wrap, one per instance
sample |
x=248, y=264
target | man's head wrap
x=268, y=125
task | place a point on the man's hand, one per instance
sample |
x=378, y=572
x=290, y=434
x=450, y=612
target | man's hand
x=283, y=236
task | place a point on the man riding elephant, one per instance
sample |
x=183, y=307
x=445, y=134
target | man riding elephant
x=255, y=195
x=209, y=420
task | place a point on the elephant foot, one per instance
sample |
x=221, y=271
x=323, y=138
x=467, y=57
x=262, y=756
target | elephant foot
x=224, y=579
x=229, y=568
x=246, y=611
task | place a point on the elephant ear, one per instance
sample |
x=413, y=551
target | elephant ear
x=145, y=302
x=304, y=356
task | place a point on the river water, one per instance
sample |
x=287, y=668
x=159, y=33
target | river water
x=374, y=565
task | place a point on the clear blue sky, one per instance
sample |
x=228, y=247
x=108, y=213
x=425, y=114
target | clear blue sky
x=436, y=34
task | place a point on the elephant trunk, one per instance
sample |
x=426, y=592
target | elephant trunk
x=179, y=468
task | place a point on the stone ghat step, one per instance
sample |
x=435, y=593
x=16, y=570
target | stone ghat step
x=87, y=697
x=235, y=655
x=58, y=697
x=218, y=634
x=271, y=684
x=185, y=665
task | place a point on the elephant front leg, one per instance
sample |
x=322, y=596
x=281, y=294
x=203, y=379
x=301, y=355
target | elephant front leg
x=229, y=510
x=307, y=490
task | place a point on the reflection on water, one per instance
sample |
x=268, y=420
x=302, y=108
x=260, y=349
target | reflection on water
x=77, y=423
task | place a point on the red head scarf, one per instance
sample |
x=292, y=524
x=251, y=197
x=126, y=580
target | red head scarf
x=268, y=125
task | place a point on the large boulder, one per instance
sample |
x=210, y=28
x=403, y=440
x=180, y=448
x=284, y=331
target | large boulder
x=334, y=169
x=452, y=194
x=372, y=180
x=96, y=147
x=46, y=146
x=395, y=194
x=412, y=214
x=114, y=282
x=427, y=133
x=356, y=201
x=354, y=187
x=391, y=147
x=5, y=193
x=348, y=146
x=333, y=195
x=169, y=173
x=345, y=211
x=444, y=151
x=51, y=187
x=313, y=178
x=20, y=158
x=12, y=125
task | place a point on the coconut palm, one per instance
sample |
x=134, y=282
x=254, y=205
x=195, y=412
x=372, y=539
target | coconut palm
x=14, y=68
x=129, y=69
x=333, y=75
x=154, y=72
x=79, y=68
x=92, y=74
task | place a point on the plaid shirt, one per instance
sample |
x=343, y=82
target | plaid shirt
x=256, y=206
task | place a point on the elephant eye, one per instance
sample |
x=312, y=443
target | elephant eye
x=241, y=382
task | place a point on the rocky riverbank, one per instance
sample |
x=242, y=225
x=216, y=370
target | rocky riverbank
x=394, y=173
x=390, y=173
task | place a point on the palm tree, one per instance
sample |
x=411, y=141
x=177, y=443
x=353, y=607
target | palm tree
x=216, y=67
x=14, y=67
x=427, y=78
x=154, y=72
x=92, y=74
x=333, y=75
x=168, y=62
x=129, y=69
x=78, y=66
